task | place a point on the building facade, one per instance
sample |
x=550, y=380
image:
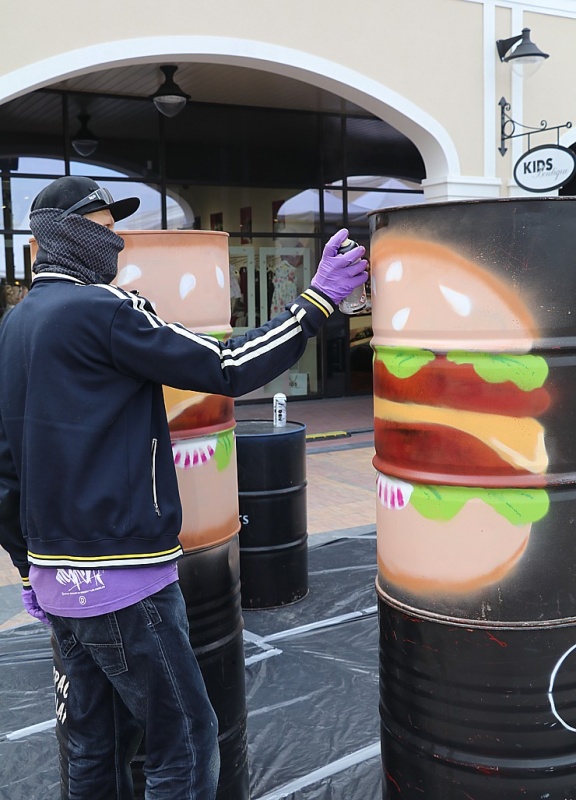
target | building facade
x=300, y=119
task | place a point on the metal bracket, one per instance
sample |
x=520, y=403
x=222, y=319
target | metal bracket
x=508, y=127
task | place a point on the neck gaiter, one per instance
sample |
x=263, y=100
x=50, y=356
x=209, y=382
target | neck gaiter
x=75, y=246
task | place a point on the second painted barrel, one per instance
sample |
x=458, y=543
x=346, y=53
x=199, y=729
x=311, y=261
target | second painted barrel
x=185, y=275
x=474, y=384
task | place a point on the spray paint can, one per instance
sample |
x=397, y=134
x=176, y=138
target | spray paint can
x=279, y=410
x=356, y=300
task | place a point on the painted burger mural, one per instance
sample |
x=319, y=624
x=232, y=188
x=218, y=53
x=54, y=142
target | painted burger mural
x=460, y=451
x=474, y=387
x=185, y=276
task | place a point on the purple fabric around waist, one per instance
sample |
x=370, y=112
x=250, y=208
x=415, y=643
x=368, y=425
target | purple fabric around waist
x=69, y=592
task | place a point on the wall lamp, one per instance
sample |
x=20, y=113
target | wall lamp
x=525, y=58
x=84, y=142
x=169, y=99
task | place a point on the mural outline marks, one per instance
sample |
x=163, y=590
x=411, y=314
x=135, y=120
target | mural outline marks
x=551, y=700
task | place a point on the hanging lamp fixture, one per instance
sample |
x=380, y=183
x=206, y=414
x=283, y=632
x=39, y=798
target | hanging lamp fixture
x=84, y=142
x=169, y=98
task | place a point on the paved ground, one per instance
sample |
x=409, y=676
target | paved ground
x=340, y=491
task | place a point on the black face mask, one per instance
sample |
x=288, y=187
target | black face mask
x=75, y=246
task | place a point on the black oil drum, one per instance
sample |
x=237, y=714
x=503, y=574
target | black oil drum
x=476, y=712
x=210, y=583
x=473, y=311
x=273, y=517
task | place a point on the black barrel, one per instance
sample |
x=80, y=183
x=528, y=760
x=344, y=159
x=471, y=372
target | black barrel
x=474, y=387
x=471, y=712
x=210, y=583
x=272, y=499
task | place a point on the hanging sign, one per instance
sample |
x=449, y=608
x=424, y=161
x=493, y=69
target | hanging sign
x=545, y=168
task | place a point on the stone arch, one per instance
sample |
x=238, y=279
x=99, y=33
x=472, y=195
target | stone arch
x=428, y=135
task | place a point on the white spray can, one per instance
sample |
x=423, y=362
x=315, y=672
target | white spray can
x=279, y=410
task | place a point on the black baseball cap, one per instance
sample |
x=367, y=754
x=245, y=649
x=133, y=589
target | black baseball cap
x=77, y=195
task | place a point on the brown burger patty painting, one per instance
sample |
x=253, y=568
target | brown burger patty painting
x=458, y=395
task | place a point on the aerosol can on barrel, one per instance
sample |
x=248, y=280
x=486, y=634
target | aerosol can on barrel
x=279, y=410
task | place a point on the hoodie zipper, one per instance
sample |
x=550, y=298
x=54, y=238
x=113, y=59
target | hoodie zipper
x=154, y=491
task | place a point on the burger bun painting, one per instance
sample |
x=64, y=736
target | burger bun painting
x=185, y=277
x=184, y=274
x=461, y=453
x=448, y=539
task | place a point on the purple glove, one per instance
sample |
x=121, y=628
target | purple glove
x=339, y=274
x=30, y=603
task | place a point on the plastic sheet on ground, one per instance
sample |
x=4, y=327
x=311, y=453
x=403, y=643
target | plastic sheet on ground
x=28, y=759
x=312, y=684
x=311, y=691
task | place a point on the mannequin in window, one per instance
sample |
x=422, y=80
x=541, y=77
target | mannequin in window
x=285, y=290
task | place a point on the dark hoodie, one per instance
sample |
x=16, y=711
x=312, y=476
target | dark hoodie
x=86, y=468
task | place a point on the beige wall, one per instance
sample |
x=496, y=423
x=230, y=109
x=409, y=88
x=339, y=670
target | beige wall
x=429, y=67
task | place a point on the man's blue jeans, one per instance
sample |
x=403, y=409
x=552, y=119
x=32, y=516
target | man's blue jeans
x=129, y=672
